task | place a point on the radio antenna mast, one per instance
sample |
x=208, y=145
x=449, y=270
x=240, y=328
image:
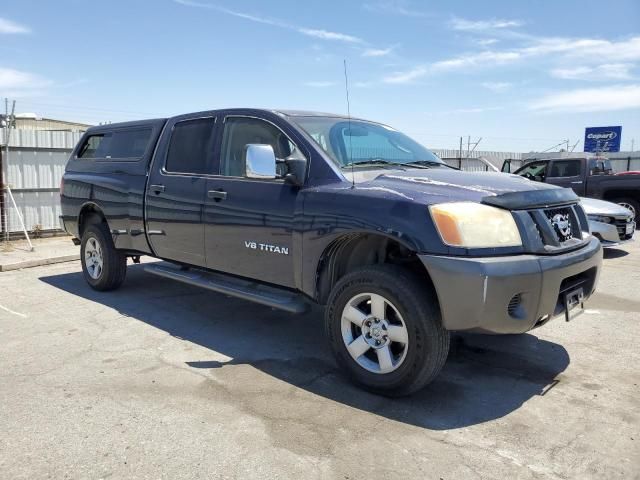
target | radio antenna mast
x=346, y=88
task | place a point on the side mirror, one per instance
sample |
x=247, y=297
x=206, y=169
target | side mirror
x=260, y=161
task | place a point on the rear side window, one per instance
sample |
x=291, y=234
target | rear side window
x=565, y=168
x=191, y=146
x=120, y=144
x=90, y=146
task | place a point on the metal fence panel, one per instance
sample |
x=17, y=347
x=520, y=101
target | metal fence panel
x=40, y=210
x=33, y=170
x=467, y=164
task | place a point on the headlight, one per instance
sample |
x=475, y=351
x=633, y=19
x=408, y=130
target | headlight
x=599, y=218
x=473, y=225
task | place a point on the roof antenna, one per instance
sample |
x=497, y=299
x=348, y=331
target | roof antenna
x=346, y=87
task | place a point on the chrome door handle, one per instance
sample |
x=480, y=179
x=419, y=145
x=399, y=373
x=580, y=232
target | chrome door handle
x=217, y=195
x=156, y=188
x=576, y=183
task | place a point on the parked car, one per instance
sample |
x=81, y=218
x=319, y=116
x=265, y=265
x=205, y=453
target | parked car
x=589, y=177
x=609, y=222
x=287, y=208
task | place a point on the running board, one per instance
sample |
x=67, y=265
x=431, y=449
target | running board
x=235, y=287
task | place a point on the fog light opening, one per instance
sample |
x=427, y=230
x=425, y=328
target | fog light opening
x=514, y=303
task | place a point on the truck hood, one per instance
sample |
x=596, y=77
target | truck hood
x=436, y=185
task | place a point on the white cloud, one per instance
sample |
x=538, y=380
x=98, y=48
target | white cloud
x=606, y=71
x=478, y=60
x=377, y=52
x=7, y=26
x=319, y=84
x=16, y=79
x=396, y=7
x=482, y=25
x=407, y=76
x=485, y=42
x=589, y=49
x=481, y=59
x=310, y=32
x=497, y=86
x=19, y=84
x=326, y=35
x=615, y=97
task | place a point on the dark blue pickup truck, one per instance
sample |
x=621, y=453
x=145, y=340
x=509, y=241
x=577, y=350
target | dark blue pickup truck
x=288, y=208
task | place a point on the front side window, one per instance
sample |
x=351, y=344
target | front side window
x=242, y=131
x=360, y=142
x=565, y=168
x=533, y=171
x=191, y=146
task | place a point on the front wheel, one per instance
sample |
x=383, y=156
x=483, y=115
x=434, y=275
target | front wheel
x=103, y=266
x=385, y=330
x=630, y=204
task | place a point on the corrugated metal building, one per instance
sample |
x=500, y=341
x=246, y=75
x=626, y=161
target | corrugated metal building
x=31, y=121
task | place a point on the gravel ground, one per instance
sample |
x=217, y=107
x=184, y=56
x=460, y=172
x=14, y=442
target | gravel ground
x=163, y=380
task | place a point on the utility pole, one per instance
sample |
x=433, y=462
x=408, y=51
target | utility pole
x=632, y=143
x=8, y=120
x=475, y=144
x=460, y=155
x=574, y=146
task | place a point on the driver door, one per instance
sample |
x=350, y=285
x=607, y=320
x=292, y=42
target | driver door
x=249, y=222
x=567, y=173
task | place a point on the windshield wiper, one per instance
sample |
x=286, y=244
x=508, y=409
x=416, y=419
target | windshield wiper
x=414, y=164
x=381, y=161
x=370, y=161
x=428, y=164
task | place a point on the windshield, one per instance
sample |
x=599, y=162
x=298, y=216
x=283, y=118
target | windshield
x=357, y=142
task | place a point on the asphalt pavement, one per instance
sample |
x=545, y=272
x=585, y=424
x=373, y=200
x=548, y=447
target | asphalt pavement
x=163, y=380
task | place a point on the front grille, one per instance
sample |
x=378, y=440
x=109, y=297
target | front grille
x=559, y=228
x=563, y=222
x=621, y=226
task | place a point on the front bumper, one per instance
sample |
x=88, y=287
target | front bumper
x=609, y=234
x=510, y=294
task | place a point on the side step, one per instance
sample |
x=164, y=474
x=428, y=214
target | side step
x=232, y=286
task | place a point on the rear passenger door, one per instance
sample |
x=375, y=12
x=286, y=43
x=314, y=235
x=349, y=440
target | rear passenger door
x=567, y=173
x=176, y=190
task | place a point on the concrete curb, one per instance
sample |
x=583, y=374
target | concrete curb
x=39, y=262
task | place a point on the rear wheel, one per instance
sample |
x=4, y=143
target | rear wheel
x=103, y=266
x=385, y=331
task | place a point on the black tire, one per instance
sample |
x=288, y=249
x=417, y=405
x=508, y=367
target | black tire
x=415, y=301
x=629, y=202
x=114, y=263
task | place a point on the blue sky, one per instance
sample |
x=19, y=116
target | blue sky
x=522, y=75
